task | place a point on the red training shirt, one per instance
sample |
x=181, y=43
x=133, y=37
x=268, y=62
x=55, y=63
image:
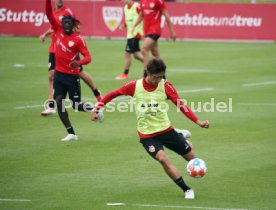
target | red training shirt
x=152, y=12
x=67, y=47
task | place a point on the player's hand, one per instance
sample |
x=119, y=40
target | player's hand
x=132, y=30
x=203, y=124
x=173, y=35
x=42, y=38
x=74, y=64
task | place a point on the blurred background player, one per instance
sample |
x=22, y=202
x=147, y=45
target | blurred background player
x=69, y=44
x=60, y=11
x=151, y=13
x=131, y=12
x=154, y=127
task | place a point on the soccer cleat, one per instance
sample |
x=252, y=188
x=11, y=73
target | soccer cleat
x=187, y=134
x=48, y=111
x=189, y=194
x=122, y=76
x=70, y=137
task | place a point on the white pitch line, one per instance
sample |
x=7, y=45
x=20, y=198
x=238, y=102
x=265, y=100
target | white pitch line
x=115, y=204
x=191, y=70
x=19, y=65
x=259, y=84
x=200, y=71
x=28, y=106
x=195, y=90
x=14, y=200
x=184, y=207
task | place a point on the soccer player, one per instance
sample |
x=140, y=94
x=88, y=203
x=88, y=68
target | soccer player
x=131, y=12
x=69, y=44
x=154, y=127
x=60, y=11
x=151, y=13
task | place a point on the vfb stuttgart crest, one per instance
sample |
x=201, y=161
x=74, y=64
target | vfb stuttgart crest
x=112, y=17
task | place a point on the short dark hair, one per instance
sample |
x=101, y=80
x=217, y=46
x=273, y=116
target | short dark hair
x=156, y=66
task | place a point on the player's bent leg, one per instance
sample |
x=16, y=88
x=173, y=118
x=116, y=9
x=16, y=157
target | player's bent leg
x=51, y=82
x=50, y=106
x=63, y=115
x=190, y=155
x=124, y=75
x=127, y=60
x=89, y=81
x=187, y=134
x=138, y=56
x=170, y=169
x=147, y=45
x=174, y=174
x=62, y=112
x=155, y=50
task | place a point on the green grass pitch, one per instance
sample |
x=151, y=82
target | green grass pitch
x=108, y=164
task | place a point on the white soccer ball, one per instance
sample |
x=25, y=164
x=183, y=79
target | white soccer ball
x=196, y=168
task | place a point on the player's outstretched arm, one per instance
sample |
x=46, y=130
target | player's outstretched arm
x=169, y=23
x=136, y=23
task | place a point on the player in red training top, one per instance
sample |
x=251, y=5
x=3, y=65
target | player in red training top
x=151, y=13
x=69, y=45
x=60, y=11
x=154, y=127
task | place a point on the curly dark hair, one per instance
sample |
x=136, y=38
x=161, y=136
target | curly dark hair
x=71, y=19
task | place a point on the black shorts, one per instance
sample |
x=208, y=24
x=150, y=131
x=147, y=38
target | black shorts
x=132, y=45
x=52, y=62
x=155, y=37
x=67, y=83
x=171, y=140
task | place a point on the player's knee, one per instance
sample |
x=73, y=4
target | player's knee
x=163, y=159
x=189, y=156
x=144, y=50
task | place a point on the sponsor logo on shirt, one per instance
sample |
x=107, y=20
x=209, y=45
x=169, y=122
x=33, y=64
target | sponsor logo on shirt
x=62, y=46
x=71, y=43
